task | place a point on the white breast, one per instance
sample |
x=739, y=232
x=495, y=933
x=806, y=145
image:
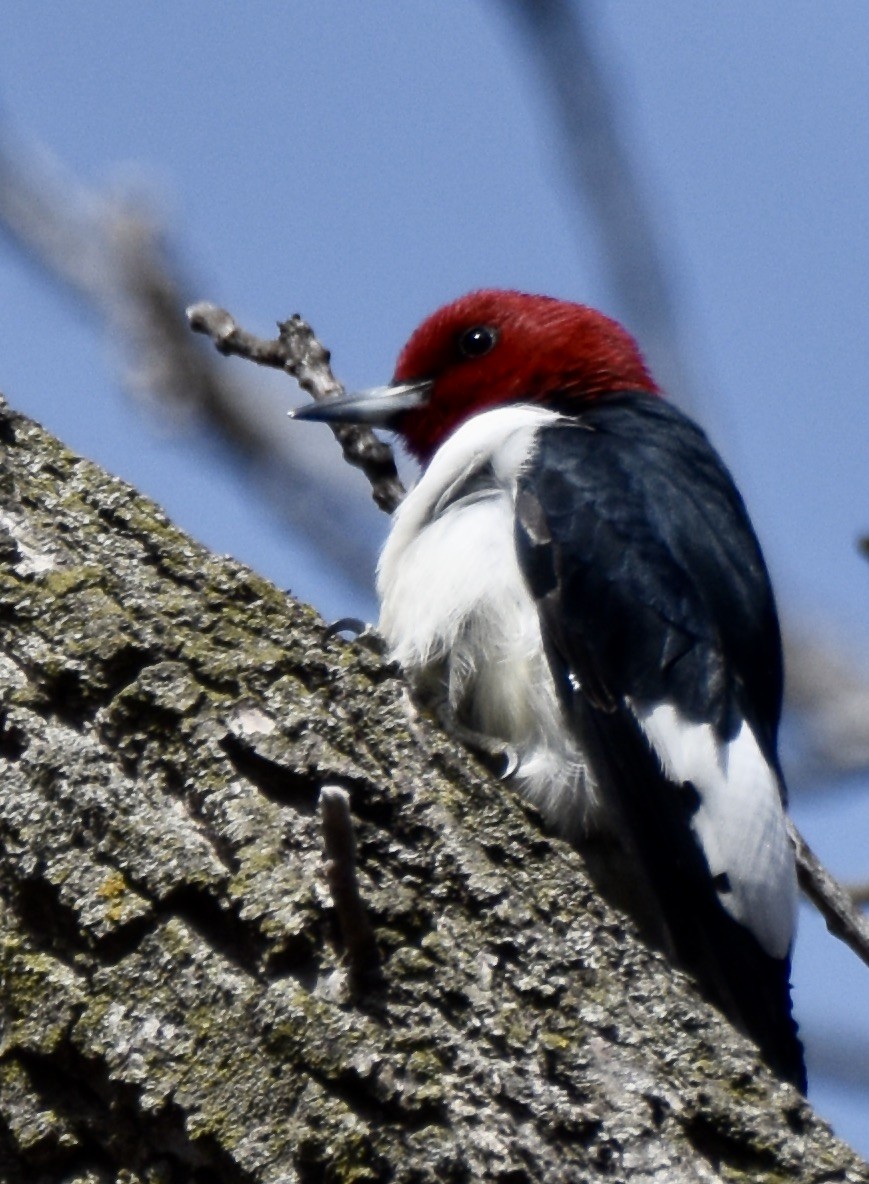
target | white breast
x=456, y=612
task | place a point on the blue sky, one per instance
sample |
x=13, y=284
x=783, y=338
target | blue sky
x=362, y=164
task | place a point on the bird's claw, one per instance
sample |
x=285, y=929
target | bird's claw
x=494, y=753
x=501, y=758
x=362, y=633
x=511, y=762
x=354, y=625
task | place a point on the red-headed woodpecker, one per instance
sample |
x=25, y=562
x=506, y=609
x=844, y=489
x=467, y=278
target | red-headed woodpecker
x=577, y=575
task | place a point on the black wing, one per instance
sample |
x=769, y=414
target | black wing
x=652, y=588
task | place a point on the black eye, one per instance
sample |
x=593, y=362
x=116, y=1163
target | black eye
x=475, y=342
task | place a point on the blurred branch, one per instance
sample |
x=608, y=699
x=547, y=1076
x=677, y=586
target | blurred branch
x=829, y=691
x=51, y=218
x=298, y=353
x=830, y=898
x=110, y=254
x=604, y=178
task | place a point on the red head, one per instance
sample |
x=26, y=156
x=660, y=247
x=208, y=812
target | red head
x=492, y=347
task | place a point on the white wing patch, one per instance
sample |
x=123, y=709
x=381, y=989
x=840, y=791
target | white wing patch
x=740, y=820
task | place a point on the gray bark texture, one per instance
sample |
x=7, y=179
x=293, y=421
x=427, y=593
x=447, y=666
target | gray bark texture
x=176, y=1003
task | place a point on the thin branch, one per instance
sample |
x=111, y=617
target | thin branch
x=357, y=932
x=832, y=901
x=298, y=353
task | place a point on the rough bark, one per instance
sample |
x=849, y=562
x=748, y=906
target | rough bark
x=175, y=1005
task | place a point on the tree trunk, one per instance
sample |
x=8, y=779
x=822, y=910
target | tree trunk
x=176, y=1005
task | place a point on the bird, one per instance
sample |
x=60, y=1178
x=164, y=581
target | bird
x=575, y=577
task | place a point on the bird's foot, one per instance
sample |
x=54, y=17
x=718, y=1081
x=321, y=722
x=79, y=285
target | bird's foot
x=498, y=756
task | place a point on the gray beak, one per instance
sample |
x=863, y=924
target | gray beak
x=378, y=407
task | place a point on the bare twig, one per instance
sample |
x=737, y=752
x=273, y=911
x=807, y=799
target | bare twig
x=357, y=933
x=832, y=901
x=298, y=353
x=167, y=367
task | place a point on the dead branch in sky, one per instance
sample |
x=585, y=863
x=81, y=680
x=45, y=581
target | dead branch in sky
x=298, y=353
